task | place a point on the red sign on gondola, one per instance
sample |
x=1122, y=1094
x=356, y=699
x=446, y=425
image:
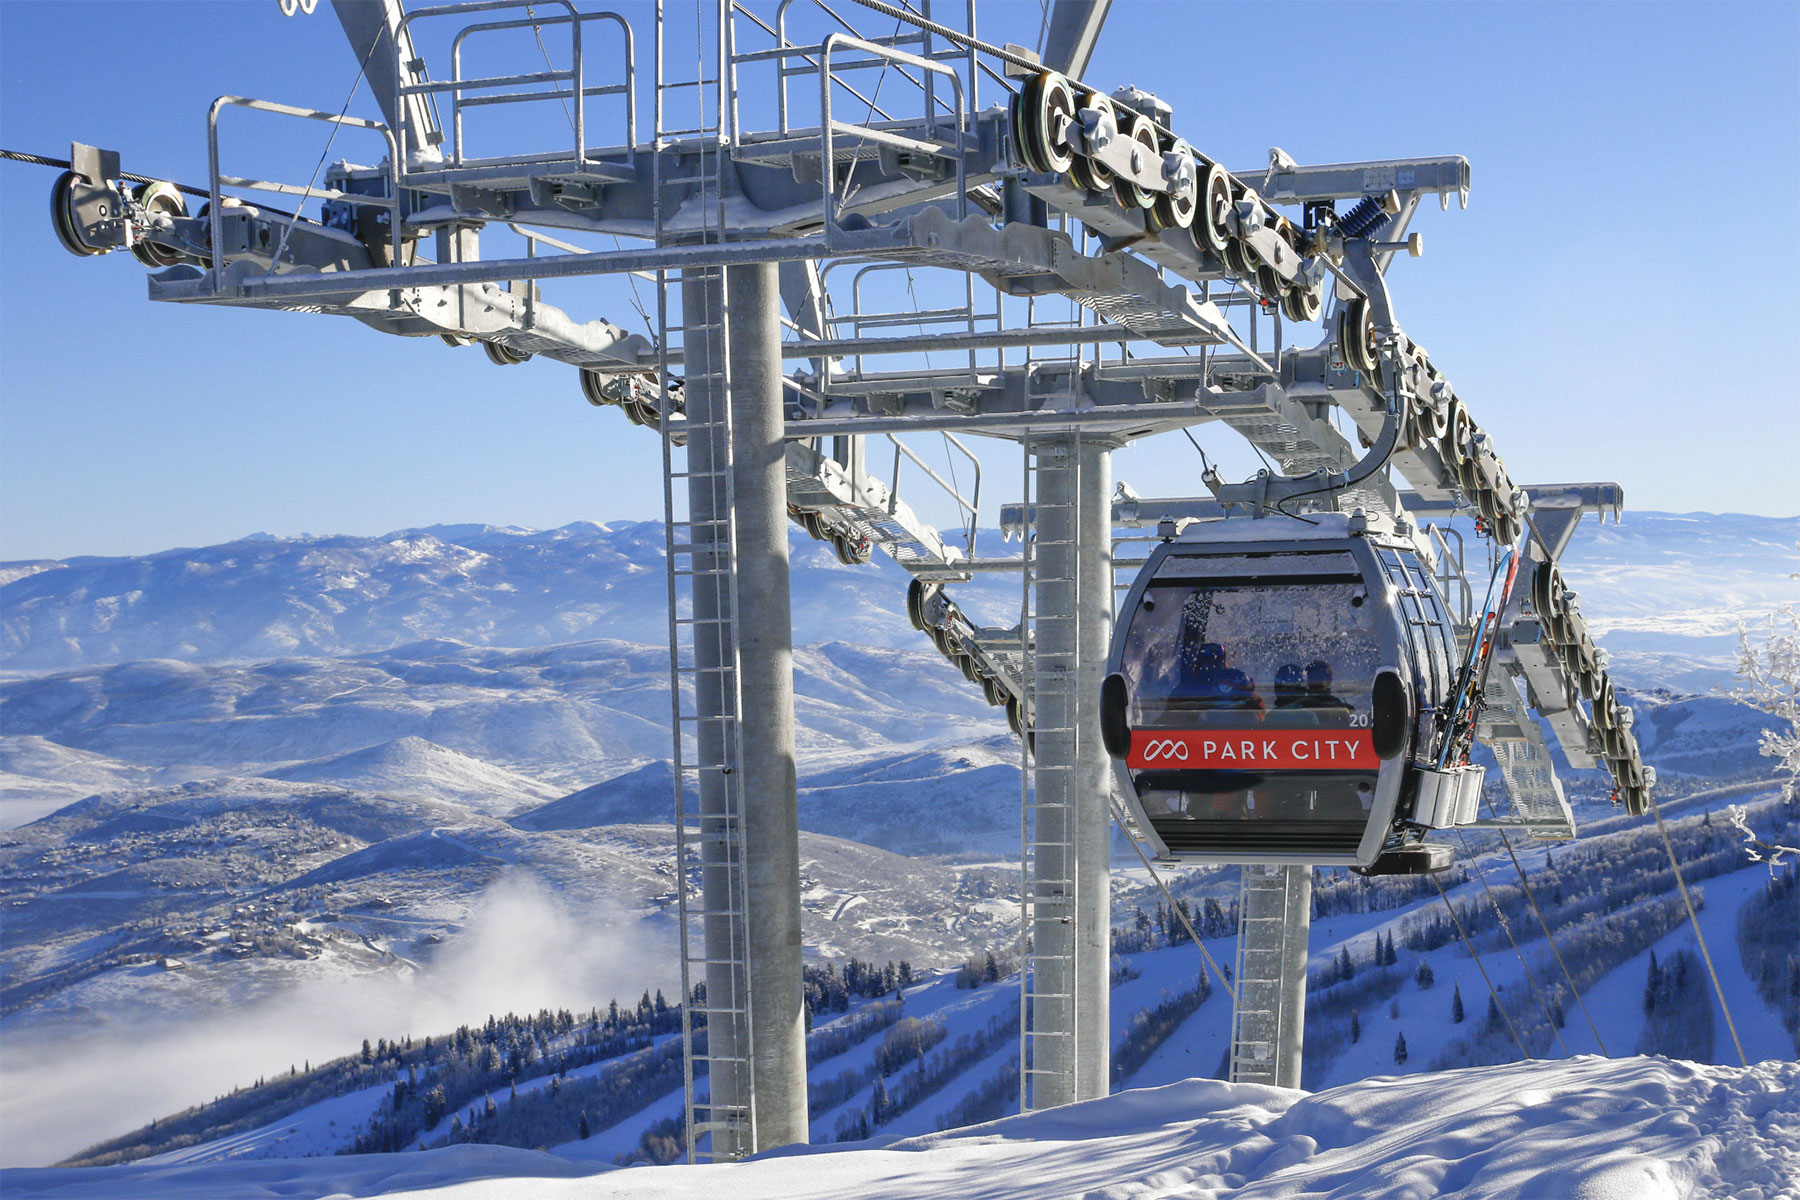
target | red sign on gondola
x=1252, y=750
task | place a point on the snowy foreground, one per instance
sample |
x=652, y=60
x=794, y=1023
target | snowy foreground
x=1584, y=1129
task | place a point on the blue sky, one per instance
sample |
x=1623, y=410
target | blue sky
x=1617, y=303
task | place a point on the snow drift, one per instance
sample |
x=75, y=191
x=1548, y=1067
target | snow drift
x=1590, y=1128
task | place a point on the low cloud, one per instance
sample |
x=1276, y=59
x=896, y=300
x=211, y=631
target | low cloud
x=523, y=948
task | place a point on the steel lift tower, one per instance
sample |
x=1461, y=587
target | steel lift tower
x=1091, y=277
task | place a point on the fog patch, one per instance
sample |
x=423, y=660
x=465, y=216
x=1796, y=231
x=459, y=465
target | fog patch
x=523, y=948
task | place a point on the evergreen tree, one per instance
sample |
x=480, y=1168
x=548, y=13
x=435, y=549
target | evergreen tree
x=368, y=1052
x=880, y=1102
x=1399, y=1049
x=1424, y=976
x=436, y=1102
x=1492, y=1021
x=1652, y=985
x=990, y=969
x=1456, y=1006
x=585, y=1131
x=1355, y=1027
x=489, y=1109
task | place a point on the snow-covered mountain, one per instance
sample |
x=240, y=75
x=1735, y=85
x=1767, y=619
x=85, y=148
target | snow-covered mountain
x=262, y=597
x=291, y=775
x=567, y=715
x=1656, y=584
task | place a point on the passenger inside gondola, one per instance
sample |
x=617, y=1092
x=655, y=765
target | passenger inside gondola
x=1207, y=681
x=1291, y=709
x=1318, y=687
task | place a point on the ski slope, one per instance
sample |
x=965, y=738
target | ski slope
x=1620, y=1129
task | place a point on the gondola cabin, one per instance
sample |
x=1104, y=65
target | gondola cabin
x=1277, y=692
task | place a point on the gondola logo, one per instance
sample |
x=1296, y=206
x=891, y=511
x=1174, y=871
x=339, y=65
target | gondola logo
x=1313, y=749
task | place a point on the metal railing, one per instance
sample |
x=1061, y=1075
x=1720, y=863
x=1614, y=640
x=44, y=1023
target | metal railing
x=830, y=127
x=859, y=320
x=1451, y=575
x=970, y=505
x=216, y=181
x=566, y=86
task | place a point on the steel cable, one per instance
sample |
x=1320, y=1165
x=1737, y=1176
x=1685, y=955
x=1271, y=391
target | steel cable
x=1224, y=980
x=1545, y=926
x=1506, y=927
x=131, y=177
x=1718, y=990
x=1470, y=947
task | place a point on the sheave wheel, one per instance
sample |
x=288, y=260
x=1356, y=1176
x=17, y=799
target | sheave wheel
x=1143, y=134
x=1212, y=224
x=1090, y=173
x=1177, y=207
x=1356, y=336
x=1239, y=259
x=62, y=217
x=1050, y=110
x=1270, y=283
x=158, y=199
x=915, y=604
x=1300, y=303
x=503, y=356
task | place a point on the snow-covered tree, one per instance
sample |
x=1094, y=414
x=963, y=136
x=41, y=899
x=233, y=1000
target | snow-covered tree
x=1771, y=682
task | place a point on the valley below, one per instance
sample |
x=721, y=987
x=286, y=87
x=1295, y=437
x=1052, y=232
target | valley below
x=261, y=801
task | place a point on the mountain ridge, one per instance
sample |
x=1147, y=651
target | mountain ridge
x=259, y=598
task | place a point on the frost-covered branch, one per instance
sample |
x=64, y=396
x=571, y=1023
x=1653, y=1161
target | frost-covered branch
x=1771, y=682
x=1772, y=853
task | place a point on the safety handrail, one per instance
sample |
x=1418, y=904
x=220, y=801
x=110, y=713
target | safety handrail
x=829, y=126
x=971, y=506
x=784, y=48
x=858, y=320
x=216, y=181
x=574, y=76
x=1440, y=541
